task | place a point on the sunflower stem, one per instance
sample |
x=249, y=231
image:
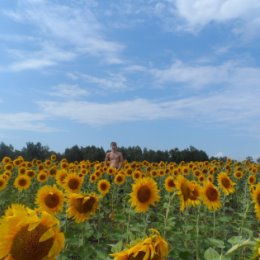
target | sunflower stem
x=197, y=234
x=167, y=213
x=214, y=224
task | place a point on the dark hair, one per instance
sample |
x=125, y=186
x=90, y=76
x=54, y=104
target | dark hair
x=113, y=143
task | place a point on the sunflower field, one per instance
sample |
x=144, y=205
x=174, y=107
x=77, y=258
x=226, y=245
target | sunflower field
x=145, y=211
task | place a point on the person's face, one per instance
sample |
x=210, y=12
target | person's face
x=113, y=147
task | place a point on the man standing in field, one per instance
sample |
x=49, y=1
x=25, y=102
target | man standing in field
x=115, y=157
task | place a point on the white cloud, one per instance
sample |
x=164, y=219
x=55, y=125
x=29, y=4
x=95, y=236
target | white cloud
x=229, y=74
x=25, y=121
x=113, y=82
x=64, y=25
x=199, y=13
x=68, y=91
x=31, y=60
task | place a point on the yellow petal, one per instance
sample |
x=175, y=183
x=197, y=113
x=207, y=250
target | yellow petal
x=47, y=235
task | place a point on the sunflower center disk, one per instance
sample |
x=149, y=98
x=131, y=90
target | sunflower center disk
x=26, y=244
x=212, y=194
x=226, y=183
x=51, y=200
x=86, y=206
x=144, y=194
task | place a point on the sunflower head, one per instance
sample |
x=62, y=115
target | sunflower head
x=169, y=184
x=211, y=196
x=22, y=182
x=144, y=194
x=73, y=183
x=27, y=234
x=82, y=206
x=225, y=183
x=50, y=199
x=119, y=179
x=103, y=186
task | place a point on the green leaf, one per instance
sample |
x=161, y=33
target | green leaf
x=211, y=254
x=216, y=242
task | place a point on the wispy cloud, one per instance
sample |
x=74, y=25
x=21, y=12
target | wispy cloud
x=68, y=91
x=33, y=122
x=112, y=82
x=229, y=74
x=65, y=26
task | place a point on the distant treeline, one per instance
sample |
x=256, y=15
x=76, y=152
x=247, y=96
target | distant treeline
x=75, y=153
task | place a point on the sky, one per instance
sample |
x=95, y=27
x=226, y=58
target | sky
x=159, y=74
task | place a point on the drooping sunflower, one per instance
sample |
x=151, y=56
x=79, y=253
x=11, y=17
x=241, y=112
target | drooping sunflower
x=144, y=193
x=256, y=200
x=225, y=183
x=103, y=186
x=73, y=183
x=169, y=184
x=50, y=199
x=119, y=179
x=82, y=206
x=26, y=234
x=22, y=182
x=153, y=247
x=211, y=196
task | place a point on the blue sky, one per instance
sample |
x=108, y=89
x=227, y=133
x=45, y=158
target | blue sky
x=159, y=74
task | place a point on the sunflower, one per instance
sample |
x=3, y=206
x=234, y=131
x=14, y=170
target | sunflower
x=82, y=206
x=3, y=183
x=50, y=199
x=251, y=179
x=153, y=247
x=6, y=160
x=22, y=170
x=169, y=184
x=42, y=176
x=26, y=234
x=73, y=183
x=30, y=173
x=8, y=167
x=144, y=193
x=194, y=194
x=103, y=186
x=211, y=196
x=61, y=176
x=183, y=187
x=93, y=178
x=22, y=182
x=256, y=199
x=137, y=174
x=238, y=174
x=53, y=157
x=225, y=183
x=119, y=179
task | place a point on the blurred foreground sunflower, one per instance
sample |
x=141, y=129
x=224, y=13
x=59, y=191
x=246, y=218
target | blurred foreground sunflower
x=26, y=234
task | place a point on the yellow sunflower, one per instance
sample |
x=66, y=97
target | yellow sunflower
x=251, y=179
x=73, y=183
x=6, y=160
x=103, y=186
x=8, y=167
x=3, y=183
x=53, y=157
x=50, y=199
x=183, y=187
x=194, y=194
x=82, y=206
x=137, y=174
x=42, y=176
x=256, y=200
x=169, y=184
x=211, y=196
x=225, y=183
x=153, y=247
x=119, y=179
x=30, y=173
x=61, y=176
x=144, y=193
x=22, y=182
x=26, y=234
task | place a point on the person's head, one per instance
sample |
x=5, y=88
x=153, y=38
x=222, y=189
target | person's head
x=113, y=146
